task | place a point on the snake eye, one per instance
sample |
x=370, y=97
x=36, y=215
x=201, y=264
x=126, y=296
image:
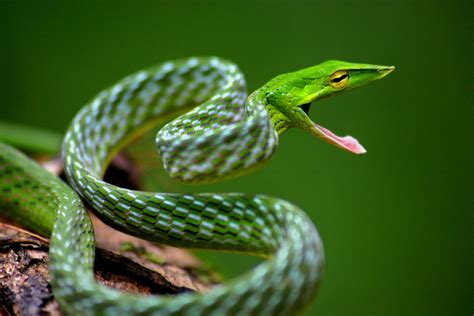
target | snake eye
x=339, y=79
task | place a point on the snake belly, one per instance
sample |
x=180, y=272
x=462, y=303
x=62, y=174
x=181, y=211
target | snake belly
x=228, y=134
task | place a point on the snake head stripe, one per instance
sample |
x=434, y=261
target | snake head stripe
x=289, y=96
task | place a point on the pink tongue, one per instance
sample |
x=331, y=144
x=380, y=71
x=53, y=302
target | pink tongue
x=348, y=143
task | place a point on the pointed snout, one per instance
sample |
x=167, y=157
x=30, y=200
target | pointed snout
x=384, y=71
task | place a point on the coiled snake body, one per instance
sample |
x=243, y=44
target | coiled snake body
x=226, y=136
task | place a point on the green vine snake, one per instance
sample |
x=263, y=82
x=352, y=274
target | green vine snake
x=227, y=135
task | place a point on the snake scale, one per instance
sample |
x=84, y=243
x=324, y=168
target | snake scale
x=218, y=132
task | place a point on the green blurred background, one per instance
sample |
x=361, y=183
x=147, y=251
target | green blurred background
x=397, y=223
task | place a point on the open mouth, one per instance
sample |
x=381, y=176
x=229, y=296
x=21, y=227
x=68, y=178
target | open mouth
x=348, y=143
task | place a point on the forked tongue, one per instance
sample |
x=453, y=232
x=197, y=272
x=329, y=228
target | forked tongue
x=348, y=143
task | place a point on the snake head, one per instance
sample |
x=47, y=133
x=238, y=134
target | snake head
x=289, y=96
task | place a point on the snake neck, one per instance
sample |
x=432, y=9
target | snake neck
x=279, y=121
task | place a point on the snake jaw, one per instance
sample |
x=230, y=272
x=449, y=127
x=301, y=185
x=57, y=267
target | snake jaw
x=347, y=143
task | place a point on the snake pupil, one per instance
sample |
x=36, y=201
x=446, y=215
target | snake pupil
x=339, y=79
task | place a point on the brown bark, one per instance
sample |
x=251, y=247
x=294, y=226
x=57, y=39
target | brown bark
x=123, y=262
